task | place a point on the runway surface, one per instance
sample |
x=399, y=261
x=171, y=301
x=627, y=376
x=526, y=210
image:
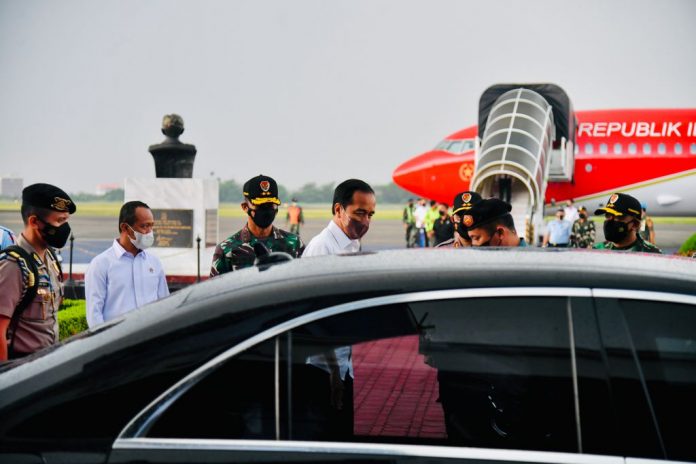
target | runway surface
x=94, y=234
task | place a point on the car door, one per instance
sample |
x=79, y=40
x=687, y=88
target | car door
x=471, y=375
x=650, y=341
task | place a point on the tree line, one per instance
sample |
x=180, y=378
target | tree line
x=231, y=192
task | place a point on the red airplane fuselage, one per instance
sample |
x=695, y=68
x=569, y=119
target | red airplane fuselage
x=616, y=150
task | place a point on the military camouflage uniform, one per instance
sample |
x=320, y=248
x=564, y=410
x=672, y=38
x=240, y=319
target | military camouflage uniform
x=237, y=251
x=639, y=245
x=583, y=234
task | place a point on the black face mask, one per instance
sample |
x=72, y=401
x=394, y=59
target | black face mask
x=583, y=216
x=55, y=236
x=615, y=231
x=488, y=243
x=263, y=216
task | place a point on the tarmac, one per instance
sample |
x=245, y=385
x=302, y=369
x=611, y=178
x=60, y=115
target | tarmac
x=93, y=234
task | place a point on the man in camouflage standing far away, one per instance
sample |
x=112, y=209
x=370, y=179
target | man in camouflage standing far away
x=261, y=205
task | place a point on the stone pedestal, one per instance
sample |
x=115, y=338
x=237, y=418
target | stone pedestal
x=184, y=209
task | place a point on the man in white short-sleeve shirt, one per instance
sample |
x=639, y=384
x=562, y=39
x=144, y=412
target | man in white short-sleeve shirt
x=353, y=206
x=125, y=276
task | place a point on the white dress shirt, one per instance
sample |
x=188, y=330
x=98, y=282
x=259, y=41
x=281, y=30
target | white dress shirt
x=117, y=282
x=333, y=241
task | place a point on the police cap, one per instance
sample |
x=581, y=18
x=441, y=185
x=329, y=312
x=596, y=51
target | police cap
x=48, y=196
x=484, y=212
x=620, y=204
x=464, y=201
x=260, y=190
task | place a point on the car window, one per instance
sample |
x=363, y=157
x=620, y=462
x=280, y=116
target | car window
x=665, y=344
x=474, y=372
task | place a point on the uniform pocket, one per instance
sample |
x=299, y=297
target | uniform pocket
x=38, y=308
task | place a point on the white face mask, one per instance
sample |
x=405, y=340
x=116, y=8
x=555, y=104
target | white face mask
x=142, y=241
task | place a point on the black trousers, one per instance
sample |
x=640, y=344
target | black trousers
x=314, y=418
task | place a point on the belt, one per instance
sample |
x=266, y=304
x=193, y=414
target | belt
x=558, y=245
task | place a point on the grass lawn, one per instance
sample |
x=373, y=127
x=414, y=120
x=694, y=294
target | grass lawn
x=311, y=211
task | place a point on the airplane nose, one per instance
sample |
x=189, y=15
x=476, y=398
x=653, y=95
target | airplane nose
x=410, y=175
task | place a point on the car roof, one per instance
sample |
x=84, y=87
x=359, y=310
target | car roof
x=356, y=276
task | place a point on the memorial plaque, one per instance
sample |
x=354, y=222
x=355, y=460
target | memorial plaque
x=211, y=227
x=173, y=228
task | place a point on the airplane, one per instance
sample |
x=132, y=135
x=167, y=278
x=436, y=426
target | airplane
x=647, y=153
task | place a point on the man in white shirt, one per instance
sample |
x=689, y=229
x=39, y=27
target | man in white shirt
x=125, y=276
x=570, y=212
x=353, y=207
x=419, y=214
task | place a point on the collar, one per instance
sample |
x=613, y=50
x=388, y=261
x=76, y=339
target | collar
x=120, y=251
x=24, y=243
x=246, y=234
x=341, y=238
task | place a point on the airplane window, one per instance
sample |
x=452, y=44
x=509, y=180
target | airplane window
x=662, y=149
x=442, y=145
x=632, y=149
x=588, y=148
x=455, y=147
x=692, y=149
x=678, y=148
x=646, y=148
x=603, y=148
x=617, y=148
x=468, y=145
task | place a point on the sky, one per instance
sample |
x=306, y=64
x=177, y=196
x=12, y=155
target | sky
x=309, y=90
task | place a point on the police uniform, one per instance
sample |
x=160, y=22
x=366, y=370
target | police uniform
x=462, y=203
x=620, y=204
x=7, y=237
x=37, y=326
x=583, y=233
x=237, y=251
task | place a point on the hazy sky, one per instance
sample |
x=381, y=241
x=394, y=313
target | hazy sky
x=307, y=90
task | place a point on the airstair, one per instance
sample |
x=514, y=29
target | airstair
x=525, y=141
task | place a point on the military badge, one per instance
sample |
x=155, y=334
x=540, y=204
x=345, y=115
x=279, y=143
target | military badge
x=613, y=198
x=468, y=220
x=61, y=204
x=265, y=185
x=466, y=197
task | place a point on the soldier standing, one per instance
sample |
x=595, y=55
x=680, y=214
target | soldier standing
x=409, y=224
x=583, y=233
x=261, y=205
x=621, y=225
x=30, y=276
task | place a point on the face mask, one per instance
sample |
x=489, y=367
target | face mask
x=583, y=216
x=263, y=216
x=560, y=217
x=55, y=236
x=443, y=213
x=488, y=243
x=142, y=241
x=615, y=231
x=354, y=229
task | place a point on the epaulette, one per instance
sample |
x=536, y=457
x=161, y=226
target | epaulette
x=27, y=266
